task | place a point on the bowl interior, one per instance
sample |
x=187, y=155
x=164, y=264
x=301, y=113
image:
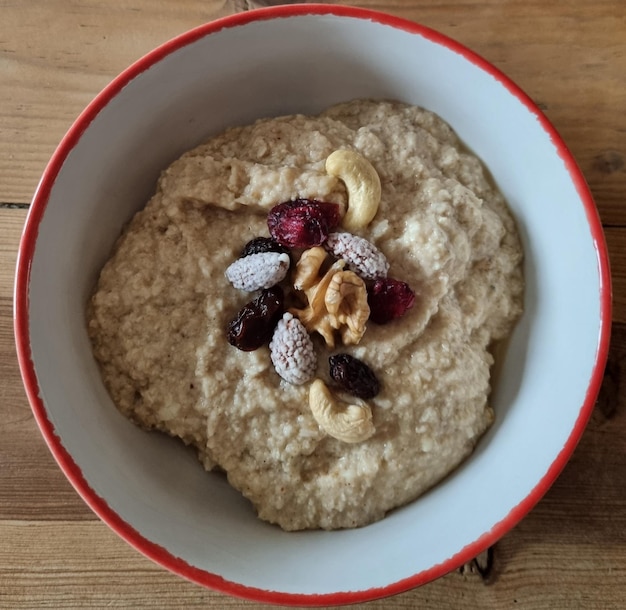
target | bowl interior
x=152, y=490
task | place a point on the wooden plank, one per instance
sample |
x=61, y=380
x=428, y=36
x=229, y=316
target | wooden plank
x=50, y=74
x=615, y=240
x=84, y=565
x=569, y=552
x=31, y=483
x=56, y=56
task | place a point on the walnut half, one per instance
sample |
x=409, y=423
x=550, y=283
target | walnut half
x=346, y=303
x=337, y=300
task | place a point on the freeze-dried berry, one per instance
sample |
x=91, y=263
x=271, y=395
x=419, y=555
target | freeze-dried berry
x=255, y=322
x=292, y=351
x=361, y=256
x=257, y=271
x=354, y=376
x=262, y=244
x=389, y=299
x=302, y=223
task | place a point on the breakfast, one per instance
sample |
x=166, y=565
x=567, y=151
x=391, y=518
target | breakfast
x=312, y=303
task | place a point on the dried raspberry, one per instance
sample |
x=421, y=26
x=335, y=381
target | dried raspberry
x=262, y=244
x=256, y=271
x=389, y=299
x=302, y=223
x=354, y=376
x=256, y=321
x=362, y=257
x=292, y=351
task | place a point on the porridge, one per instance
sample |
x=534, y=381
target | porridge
x=441, y=253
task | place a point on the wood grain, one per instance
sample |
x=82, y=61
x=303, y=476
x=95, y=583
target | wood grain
x=570, y=57
x=56, y=56
x=615, y=241
x=31, y=484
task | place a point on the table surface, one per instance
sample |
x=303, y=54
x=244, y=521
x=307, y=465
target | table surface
x=569, y=56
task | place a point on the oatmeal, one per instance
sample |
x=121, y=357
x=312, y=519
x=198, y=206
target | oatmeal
x=163, y=312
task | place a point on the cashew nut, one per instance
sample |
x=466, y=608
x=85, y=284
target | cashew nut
x=350, y=423
x=362, y=183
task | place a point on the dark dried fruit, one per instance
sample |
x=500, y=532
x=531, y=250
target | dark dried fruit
x=354, y=376
x=302, y=223
x=255, y=322
x=389, y=299
x=259, y=245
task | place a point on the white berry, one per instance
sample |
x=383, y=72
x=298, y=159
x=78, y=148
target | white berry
x=258, y=271
x=292, y=351
x=361, y=256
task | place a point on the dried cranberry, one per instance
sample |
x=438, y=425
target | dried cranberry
x=353, y=375
x=389, y=299
x=255, y=322
x=258, y=245
x=302, y=223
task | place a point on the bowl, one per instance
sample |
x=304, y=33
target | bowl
x=267, y=62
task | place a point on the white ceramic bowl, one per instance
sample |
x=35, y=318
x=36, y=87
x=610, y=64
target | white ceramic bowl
x=149, y=489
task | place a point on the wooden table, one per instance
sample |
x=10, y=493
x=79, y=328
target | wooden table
x=569, y=56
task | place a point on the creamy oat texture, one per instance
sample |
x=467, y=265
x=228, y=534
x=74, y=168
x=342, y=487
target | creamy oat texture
x=158, y=316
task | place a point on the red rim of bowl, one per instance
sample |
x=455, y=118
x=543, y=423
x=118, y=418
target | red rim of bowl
x=70, y=468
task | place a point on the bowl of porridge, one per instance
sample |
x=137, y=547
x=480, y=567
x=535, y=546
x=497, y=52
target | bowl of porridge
x=285, y=296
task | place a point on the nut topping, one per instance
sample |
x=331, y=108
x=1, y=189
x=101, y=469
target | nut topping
x=350, y=423
x=336, y=301
x=308, y=268
x=337, y=296
x=346, y=303
x=362, y=183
